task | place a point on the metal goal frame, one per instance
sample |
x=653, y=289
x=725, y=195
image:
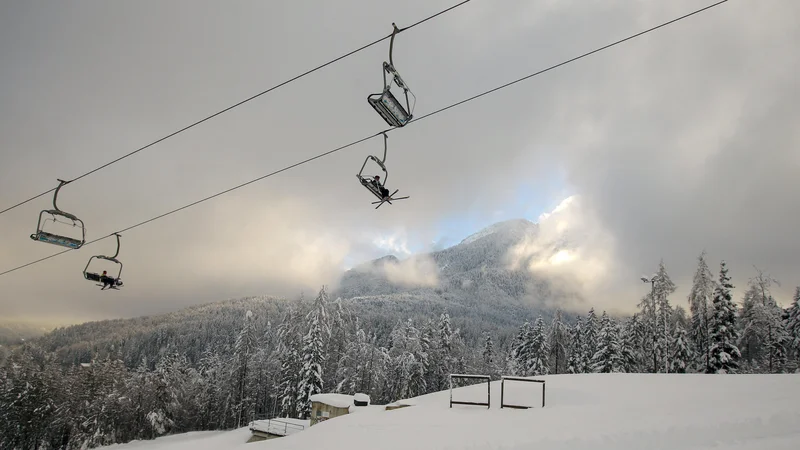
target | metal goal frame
x=502, y=391
x=468, y=376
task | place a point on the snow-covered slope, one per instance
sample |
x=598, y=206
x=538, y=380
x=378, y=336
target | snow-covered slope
x=597, y=411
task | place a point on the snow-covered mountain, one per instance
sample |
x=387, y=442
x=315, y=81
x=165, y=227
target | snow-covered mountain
x=475, y=277
x=474, y=285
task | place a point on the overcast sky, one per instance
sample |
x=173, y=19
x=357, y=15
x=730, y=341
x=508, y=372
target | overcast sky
x=682, y=140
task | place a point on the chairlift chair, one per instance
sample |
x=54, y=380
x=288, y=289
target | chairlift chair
x=116, y=282
x=368, y=182
x=55, y=213
x=385, y=103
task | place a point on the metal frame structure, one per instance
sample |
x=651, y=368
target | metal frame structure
x=98, y=278
x=502, y=391
x=481, y=377
x=385, y=103
x=51, y=238
x=367, y=181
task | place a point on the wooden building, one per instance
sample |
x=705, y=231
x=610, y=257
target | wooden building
x=328, y=406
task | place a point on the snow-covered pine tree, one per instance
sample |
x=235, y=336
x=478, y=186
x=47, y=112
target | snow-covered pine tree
x=663, y=288
x=682, y=354
x=539, y=350
x=575, y=362
x=311, y=381
x=607, y=357
x=340, y=335
x=521, y=350
x=792, y=326
x=590, y=344
x=647, y=332
x=445, y=342
x=700, y=297
x=763, y=333
x=488, y=356
x=559, y=343
x=724, y=353
x=629, y=349
x=291, y=363
x=243, y=350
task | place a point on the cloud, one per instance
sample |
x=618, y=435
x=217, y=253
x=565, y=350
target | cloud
x=416, y=271
x=680, y=140
x=573, y=253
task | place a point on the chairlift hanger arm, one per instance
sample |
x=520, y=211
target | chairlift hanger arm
x=385, y=148
x=117, y=253
x=391, y=42
x=61, y=183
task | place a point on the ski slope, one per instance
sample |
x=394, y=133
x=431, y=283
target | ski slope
x=596, y=411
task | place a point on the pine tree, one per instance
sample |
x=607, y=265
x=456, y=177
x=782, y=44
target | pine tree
x=590, y=344
x=763, y=334
x=681, y=351
x=607, y=358
x=724, y=353
x=558, y=342
x=700, y=298
x=311, y=381
x=629, y=350
x=663, y=288
x=521, y=350
x=792, y=326
x=244, y=348
x=291, y=363
x=488, y=356
x=539, y=350
x=575, y=361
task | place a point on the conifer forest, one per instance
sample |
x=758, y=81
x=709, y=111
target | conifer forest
x=219, y=366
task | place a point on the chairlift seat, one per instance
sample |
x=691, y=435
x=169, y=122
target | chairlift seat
x=392, y=111
x=63, y=241
x=91, y=276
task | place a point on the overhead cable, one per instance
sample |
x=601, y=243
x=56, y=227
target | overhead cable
x=295, y=78
x=321, y=155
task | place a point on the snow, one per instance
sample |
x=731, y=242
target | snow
x=335, y=400
x=588, y=411
x=197, y=440
x=361, y=398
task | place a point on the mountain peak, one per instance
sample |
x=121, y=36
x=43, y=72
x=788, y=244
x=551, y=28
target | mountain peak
x=510, y=228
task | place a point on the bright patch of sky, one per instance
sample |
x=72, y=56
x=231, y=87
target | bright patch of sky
x=529, y=199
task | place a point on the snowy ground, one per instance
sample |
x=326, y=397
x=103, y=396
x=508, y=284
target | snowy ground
x=598, y=411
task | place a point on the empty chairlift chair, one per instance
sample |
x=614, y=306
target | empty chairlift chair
x=58, y=239
x=385, y=103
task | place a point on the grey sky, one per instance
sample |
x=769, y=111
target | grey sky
x=681, y=140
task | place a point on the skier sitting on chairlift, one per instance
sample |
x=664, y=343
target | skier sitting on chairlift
x=109, y=282
x=377, y=183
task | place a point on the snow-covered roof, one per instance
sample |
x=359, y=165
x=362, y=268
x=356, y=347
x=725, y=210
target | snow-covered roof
x=335, y=400
x=361, y=398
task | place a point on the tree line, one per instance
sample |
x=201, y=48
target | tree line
x=272, y=365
